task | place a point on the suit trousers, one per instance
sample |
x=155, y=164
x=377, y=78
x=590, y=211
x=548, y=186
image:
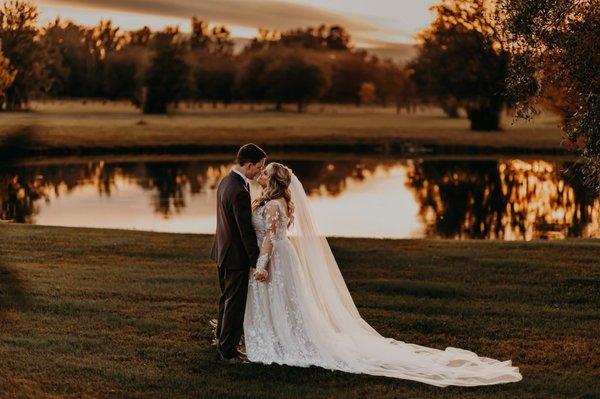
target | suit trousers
x=232, y=306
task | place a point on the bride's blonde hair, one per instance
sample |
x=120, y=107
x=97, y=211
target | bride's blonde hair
x=278, y=186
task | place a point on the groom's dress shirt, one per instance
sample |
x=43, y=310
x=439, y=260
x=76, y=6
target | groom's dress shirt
x=246, y=180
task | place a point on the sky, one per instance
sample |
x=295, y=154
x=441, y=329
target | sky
x=371, y=23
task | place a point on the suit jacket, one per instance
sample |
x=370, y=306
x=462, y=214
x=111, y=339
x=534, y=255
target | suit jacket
x=235, y=246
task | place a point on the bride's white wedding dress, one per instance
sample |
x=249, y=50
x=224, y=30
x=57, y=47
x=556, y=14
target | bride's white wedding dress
x=304, y=315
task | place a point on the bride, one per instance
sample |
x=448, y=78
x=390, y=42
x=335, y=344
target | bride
x=299, y=311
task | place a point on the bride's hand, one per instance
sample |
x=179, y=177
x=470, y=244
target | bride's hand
x=262, y=277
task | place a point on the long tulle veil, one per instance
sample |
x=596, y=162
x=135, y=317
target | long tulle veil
x=318, y=263
x=349, y=342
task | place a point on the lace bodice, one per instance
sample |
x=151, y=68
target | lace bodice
x=271, y=217
x=270, y=223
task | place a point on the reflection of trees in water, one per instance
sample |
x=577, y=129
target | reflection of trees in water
x=171, y=179
x=331, y=177
x=507, y=199
x=18, y=196
x=22, y=187
x=586, y=217
x=461, y=199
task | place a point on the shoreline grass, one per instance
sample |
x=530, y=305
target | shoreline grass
x=112, y=313
x=71, y=128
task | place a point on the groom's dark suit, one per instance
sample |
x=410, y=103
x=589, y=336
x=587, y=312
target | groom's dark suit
x=235, y=250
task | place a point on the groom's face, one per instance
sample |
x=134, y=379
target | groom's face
x=255, y=169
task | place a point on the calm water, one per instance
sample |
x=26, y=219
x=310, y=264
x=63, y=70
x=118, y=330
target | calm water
x=508, y=199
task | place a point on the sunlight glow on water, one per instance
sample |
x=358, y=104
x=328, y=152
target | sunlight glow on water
x=129, y=207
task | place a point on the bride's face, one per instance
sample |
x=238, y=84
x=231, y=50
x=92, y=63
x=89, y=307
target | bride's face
x=264, y=176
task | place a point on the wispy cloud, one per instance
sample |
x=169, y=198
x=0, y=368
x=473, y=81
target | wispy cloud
x=270, y=14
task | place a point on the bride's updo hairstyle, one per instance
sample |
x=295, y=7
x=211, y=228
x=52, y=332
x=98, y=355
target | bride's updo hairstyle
x=278, y=186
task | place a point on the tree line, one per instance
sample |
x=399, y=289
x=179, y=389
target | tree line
x=461, y=64
x=159, y=69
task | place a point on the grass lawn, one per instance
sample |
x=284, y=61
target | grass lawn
x=73, y=127
x=97, y=313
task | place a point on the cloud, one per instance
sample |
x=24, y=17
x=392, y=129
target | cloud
x=270, y=14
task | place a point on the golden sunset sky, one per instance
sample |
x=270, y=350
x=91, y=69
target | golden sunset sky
x=372, y=23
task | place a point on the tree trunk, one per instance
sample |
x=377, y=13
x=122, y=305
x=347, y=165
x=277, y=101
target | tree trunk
x=12, y=101
x=155, y=107
x=450, y=107
x=278, y=106
x=451, y=111
x=300, y=106
x=485, y=118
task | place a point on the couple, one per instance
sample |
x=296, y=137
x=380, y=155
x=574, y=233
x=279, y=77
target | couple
x=282, y=287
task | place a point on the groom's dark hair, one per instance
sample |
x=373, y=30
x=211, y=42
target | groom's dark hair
x=250, y=153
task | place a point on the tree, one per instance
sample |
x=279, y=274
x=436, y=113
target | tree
x=214, y=41
x=323, y=38
x=167, y=78
x=405, y=91
x=393, y=83
x=104, y=38
x=211, y=58
x=7, y=76
x=20, y=44
x=250, y=81
x=337, y=38
x=556, y=54
x=76, y=57
x=462, y=60
x=385, y=80
x=123, y=73
x=140, y=37
x=100, y=41
x=214, y=78
x=367, y=93
x=69, y=64
x=292, y=78
x=348, y=71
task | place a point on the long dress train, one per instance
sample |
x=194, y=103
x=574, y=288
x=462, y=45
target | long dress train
x=304, y=315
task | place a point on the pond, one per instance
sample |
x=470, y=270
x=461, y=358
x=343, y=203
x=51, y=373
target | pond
x=352, y=196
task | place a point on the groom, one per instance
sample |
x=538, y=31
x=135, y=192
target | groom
x=235, y=249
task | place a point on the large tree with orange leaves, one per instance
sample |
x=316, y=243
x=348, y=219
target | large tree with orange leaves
x=463, y=60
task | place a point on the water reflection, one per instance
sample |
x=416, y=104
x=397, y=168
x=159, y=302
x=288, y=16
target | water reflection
x=511, y=199
x=489, y=199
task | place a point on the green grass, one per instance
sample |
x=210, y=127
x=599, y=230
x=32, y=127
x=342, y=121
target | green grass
x=112, y=313
x=72, y=127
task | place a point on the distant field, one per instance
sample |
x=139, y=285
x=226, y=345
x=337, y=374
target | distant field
x=74, y=127
x=107, y=313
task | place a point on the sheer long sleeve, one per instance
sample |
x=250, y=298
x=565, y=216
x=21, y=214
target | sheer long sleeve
x=273, y=219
